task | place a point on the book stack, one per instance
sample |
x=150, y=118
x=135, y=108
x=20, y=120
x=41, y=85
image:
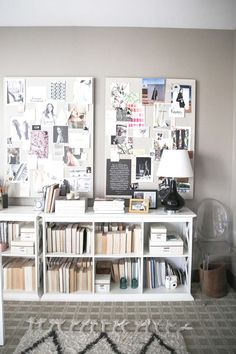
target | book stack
x=51, y=193
x=118, y=239
x=69, y=275
x=156, y=270
x=19, y=274
x=109, y=206
x=68, y=238
x=71, y=207
x=128, y=268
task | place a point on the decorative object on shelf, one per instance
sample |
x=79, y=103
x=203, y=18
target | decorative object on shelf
x=150, y=194
x=138, y=205
x=171, y=282
x=5, y=200
x=123, y=283
x=102, y=337
x=174, y=164
x=134, y=283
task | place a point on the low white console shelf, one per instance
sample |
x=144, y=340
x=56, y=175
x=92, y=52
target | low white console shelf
x=70, y=263
x=137, y=258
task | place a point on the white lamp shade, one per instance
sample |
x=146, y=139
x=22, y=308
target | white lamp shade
x=175, y=163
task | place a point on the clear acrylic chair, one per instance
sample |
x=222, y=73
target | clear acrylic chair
x=212, y=245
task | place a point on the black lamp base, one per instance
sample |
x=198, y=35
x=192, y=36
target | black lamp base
x=173, y=202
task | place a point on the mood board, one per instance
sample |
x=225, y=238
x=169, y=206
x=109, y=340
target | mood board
x=48, y=125
x=143, y=116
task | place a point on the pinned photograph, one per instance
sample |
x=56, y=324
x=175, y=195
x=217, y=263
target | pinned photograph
x=13, y=156
x=153, y=90
x=161, y=118
x=46, y=113
x=181, y=97
x=143, y=169
x=180, y=138
x=60, y=134
x=72, y=156
x=121, y=134
x=77, y=116
x=15, y=91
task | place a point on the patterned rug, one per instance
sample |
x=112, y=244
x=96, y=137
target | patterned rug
x=102, y=337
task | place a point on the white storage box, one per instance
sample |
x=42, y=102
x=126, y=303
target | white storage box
x=173, y=245
x=19, y=246
x=158, y=232
x=102, y=283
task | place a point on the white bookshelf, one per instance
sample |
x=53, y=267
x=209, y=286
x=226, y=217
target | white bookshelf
x=181, y=222
x=23, y=214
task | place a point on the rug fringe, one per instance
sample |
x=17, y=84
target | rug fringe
x=148, y=325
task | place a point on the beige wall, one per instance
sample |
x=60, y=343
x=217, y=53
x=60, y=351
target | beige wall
x=204, y=55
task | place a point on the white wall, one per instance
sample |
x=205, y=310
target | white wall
x=204, y=55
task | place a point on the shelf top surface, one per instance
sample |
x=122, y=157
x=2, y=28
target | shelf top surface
x=152, y=215
x=14, y=212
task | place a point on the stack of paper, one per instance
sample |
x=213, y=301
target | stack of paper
x=111, y=206
x=71, y=207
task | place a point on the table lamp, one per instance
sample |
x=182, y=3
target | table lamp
x=174, y=164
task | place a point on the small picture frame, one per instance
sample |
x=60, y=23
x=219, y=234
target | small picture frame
x=150, y=194
x=138, y=206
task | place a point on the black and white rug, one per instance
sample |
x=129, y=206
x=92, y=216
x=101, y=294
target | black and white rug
x=102, y=337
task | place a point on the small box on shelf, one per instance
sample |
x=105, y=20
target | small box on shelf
x=102, y=283
x=173, y=245
x=23, y=247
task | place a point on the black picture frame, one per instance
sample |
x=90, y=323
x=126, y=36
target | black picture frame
x=146, y=194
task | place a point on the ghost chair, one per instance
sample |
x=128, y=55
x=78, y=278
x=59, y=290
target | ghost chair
x=212, y=246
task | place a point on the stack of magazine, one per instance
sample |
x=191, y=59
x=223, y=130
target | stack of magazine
x=107, y=205
x=72, y=206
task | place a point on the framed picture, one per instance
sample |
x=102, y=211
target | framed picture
x=150, y=194
x=138, y=206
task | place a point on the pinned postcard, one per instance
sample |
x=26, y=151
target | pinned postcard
x=137, y=115
x=114, y=153
x=36, y=94
x=79, y=138
x=176, y=112
x=110, y=122
x=83, y=90
x=161, y=118
x=140, y=132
